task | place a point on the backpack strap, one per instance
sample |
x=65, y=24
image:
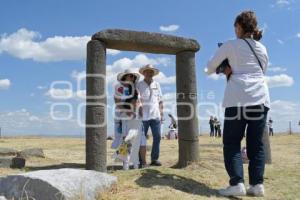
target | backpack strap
x=254, y=54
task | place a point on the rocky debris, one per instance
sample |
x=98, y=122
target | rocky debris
x=64, y=183
x=8, y=152
x=12, y=162
x=33, y=152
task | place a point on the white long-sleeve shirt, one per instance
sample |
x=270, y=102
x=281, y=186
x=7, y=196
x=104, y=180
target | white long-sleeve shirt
x=150, y=96
x=247, y=85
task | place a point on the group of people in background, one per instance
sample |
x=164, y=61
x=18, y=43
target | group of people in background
x=215, y=127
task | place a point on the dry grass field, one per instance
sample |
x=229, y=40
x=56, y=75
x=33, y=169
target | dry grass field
x=198, y=181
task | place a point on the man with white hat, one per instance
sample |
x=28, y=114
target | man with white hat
x=152, y=108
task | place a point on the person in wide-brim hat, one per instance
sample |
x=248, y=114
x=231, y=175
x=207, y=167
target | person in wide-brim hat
x=121, y=76
x=150, y=68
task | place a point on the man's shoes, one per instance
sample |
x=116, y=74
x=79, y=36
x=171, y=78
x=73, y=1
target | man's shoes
x=257, y=190
x=236, y=190
x=141, y=166
x=155, y=163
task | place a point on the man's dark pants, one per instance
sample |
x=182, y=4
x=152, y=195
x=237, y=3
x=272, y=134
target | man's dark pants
x=155, y=126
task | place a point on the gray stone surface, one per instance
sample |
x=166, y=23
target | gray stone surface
x=7, y=152
x=128, y=40
x=32, y=152
x=96, y=126
x=2, y=198
x=66, y=184
x=18, y=162
x=5, y=162
x=267, y=146
x=186, y=86
x=12, y=162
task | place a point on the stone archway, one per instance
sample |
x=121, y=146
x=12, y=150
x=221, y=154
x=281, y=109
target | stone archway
x=186, y=88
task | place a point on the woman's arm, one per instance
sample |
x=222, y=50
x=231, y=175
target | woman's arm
x=221, y=54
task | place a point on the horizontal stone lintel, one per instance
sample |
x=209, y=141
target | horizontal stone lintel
x=127, y=40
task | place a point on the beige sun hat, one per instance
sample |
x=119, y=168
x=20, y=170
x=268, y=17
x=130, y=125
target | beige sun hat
x=126, y=72
x=149, y=67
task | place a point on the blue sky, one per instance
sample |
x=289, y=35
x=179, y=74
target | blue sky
x=42, y=42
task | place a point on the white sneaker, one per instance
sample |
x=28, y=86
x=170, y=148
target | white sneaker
x=237, y=190
x=257, y=190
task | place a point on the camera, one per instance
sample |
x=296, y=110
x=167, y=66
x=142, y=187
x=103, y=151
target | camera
x=225, y=63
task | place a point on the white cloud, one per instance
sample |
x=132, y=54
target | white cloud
x=286, y=4
x=40, y=87
x=138, y=61
x=169, y=28
x=4, y=84
x=169, y=96
x=26, y=44
x=283, y=107
x=264, y=28
x=280, y=41
x=164, y=80
x=282, y=80
x=56, y=93
x=23, y=122
x=283, y=112
x=216, y=77
x=298, y=35
x=283, y=2
x=277, y=69
x=112, y=52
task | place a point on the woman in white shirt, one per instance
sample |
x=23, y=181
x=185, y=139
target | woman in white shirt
x=246, y=101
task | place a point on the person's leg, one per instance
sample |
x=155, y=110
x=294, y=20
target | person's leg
x=142, y=153
x=156, y=133
x=234, y=127
x=255, y=148
x=272, y=132
x=146, y=125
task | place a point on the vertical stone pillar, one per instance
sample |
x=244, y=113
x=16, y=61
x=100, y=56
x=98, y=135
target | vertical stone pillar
x=96, y=127
x=186, y=85
x=267, y=146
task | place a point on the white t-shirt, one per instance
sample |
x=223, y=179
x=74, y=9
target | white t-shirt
x=247, y=85
x=150, y=96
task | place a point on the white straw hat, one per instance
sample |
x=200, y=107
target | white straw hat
x=149, y=67
x=126, y=72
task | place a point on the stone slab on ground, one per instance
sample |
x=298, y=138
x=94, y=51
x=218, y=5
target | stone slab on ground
x=33, y=152
x=64, y=183
x=7, y=152
x=12, y=162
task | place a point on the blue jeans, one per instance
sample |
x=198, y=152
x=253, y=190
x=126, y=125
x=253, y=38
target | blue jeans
x=234, y=128
x=155, y=126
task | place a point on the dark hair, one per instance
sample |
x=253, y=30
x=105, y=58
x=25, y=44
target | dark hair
x=247, y=20
x=134, y=79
